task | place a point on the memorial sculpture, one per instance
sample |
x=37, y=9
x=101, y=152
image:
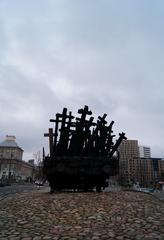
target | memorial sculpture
x=82, y=153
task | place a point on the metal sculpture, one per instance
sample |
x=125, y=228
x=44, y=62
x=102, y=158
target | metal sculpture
x=82, y=152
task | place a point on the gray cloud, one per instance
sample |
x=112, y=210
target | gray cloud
x=57, y=54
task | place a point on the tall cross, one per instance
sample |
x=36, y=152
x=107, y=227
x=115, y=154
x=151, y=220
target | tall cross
x=50, y=134
x=61, y=118
x=102, y=119
x=56, y=130
x=84, y=112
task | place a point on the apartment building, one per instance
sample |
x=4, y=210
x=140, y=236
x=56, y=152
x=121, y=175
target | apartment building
x=146, y=171
x=134, y=168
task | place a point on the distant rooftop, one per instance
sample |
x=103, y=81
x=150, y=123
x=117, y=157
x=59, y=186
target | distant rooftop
x=9, y=142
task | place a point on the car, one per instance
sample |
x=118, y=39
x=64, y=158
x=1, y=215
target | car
x=147, y=190
x=39, y=183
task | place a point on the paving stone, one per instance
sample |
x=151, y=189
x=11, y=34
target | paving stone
x=79, y=216
x=14, y=238
x=37, y=238
x=26, y=238
x=48, y=238
x=111, y=234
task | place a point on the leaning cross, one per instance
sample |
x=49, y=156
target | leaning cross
x=102, y=119
x=50, y=134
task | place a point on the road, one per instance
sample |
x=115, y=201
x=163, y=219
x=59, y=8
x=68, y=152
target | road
x=159, y=195
x=13, y=189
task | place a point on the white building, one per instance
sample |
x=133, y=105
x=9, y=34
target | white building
x=145, y=152
x=12, y=167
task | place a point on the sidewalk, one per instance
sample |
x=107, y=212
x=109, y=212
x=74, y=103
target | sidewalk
x=43, y=189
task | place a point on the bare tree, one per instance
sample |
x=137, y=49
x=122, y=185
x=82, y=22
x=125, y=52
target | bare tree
x=39, y=164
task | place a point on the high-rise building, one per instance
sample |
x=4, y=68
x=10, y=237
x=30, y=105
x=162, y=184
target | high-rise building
x=134, y=168
x=145, y=152
x=129, y=161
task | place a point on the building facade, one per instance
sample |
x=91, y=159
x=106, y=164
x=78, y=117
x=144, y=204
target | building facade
x=136, y=169
x=150, y=171
x=129, y=155
x=145, y=152
x=162, y=169
x=12, y=167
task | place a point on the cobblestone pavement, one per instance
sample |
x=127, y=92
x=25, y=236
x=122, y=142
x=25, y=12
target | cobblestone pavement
x=74, y=216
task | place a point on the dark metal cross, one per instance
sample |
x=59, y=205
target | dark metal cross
x=50, y=134
x=84, y=112
x=61, y=118
x=118, y=142
x=102, y=119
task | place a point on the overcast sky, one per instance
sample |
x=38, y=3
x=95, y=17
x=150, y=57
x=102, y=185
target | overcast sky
x=106, y=54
